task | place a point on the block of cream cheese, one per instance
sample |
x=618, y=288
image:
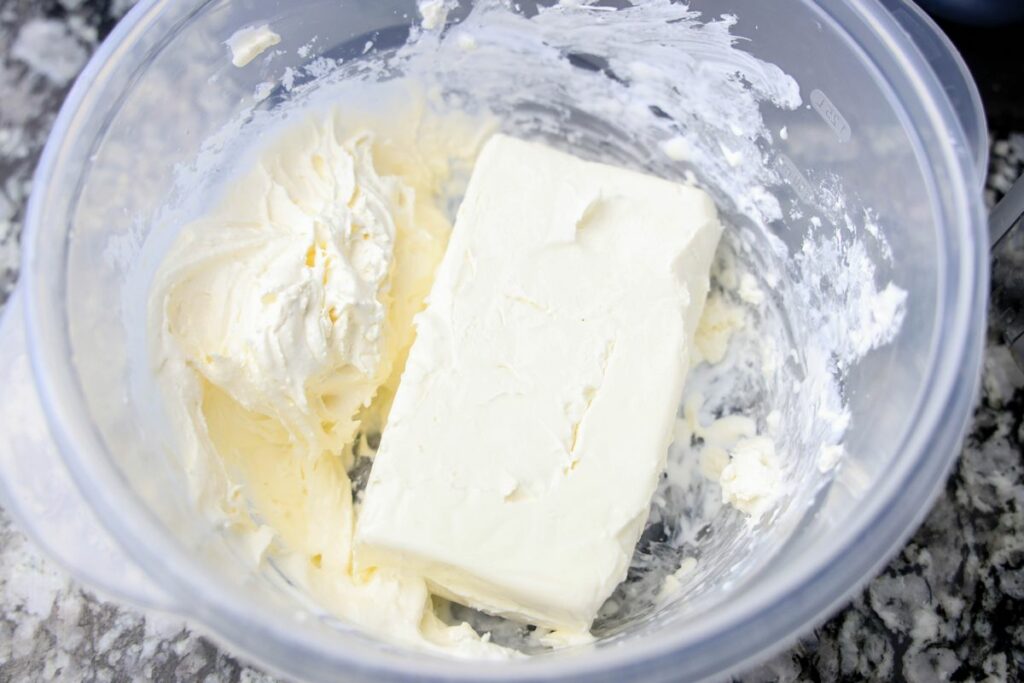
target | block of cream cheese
x=533, y=419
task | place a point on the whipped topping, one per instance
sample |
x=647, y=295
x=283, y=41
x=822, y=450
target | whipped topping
x=535, y=413
x=281, y=320
x=275, y=301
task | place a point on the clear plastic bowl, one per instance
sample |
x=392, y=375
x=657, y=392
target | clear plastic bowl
x=90, y=484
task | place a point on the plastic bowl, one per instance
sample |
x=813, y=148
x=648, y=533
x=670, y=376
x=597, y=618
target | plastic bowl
x=90, y=485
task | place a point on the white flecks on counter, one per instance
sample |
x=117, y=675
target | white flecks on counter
x=48, y=47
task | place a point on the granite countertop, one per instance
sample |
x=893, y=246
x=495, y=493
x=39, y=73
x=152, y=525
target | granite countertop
x=948, y=607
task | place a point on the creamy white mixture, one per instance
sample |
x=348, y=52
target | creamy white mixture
x=282, y=320
x=564, y=309
x=764, y=418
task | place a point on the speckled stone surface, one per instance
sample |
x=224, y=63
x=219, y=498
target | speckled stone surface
x=948, y=607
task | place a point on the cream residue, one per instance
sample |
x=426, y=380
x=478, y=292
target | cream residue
x=742, y=462
x=248, y=43
x=673, y=581
x=830, y=456
x=721, y=319
x=433, y=12
x=749, y=290
x=751, y=480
